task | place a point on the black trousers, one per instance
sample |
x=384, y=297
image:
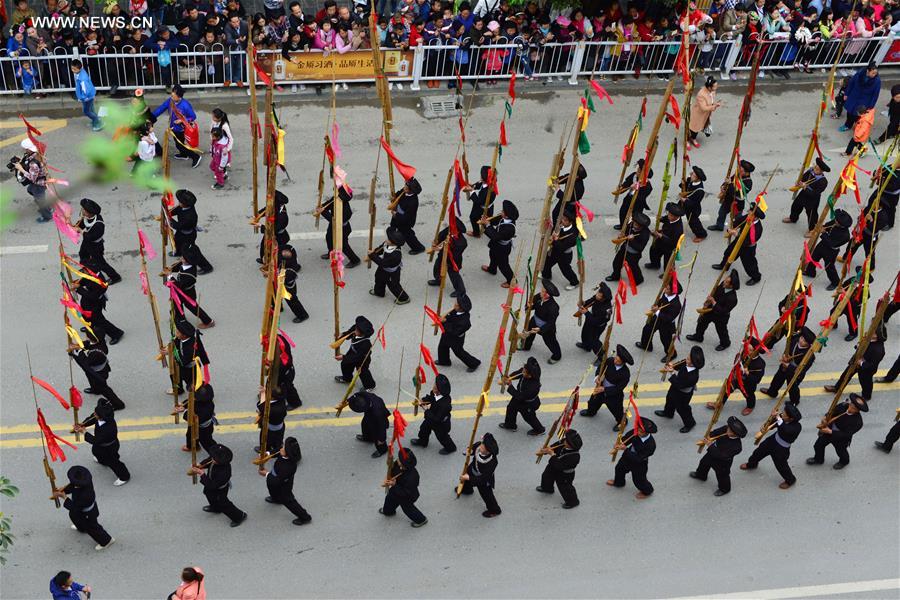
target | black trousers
x=666, y=330
x=722, y=469
x=592, y=337
x=108, y=456
x=183, y=239
x=295, y=305
x=391, y=281
x=99, y=384
x=865, y=377
x=219, y=502
x=825, y=255
x=103, y=326
x=185, y=377
x=634, y=263
x=693, y=221
x=99, y=263
x=892, y=436
x=410, y=234
x=365, y=375
x=453, y=275
x=720, y=322
x=549, y=337
x=638, y=475
x=285, y=496
x=528, y=410
x=391, y=502
x=196, y=309
x=564, y=261
x=204, y=437
x=375, y=433
x=623, y=209
x=810, y=205
x=659, y=254
x=563, y=481
x=475, y=215
x=750, y=384
x=894, y=370
x=499, y=259
x=274, y=439
x=291, y=395
x=749, y=262
x=486, y=491
x=840, y=448
x=451, y=342
x=441, y=433
x=181, y=148
x=680, y=402
x=615, y=404
x=779, y=454
x=347, y=250
x=781, y=377
x=86, y=522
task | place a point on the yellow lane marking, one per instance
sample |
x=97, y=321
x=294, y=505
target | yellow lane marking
x=351, y=419
x=45, y=125
x=463, y=400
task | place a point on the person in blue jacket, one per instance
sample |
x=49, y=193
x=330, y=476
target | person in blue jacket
x=85, y=92
x=183, y=110
x=862, y=90
x=63, y=587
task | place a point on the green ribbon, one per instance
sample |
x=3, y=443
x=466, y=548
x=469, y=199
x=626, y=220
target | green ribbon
x=882, y=161
x=589, y=100
x=579, y=248
x=830, y=202
x=508, y=108
x=584, y=146
x=823, y=341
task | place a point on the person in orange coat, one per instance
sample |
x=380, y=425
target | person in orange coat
x=191, y=587
x=861, y=129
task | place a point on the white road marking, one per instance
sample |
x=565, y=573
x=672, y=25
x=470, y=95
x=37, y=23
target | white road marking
x=809, y=591
x=320, y=235
x=4, y=250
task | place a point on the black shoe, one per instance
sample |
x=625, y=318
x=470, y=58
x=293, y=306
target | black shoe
x=686, y=428
x=210, y=509
x=89, y=390
x=324, y=256
x=639, y=345
x=472, y=369
x=417, y=251
x=194, y=164
x=847, y=338
x=721, y=347
x=586, y=413
x=768, y=393
x=716, y=228
x=271, y=500
x=650, y=265
x=453, y=294
x=446, y=451
x=718, y=493
x=301, y=521
x=662, y=413
x=543, y=490
x=381, y=512
x=300, y=319
x=535, y=432
x=361, y=437
x=718, y=266
x=883, y=447
x=666, y=359
x=753, y=281
x=831, y=287
x=616, y=426
x=610, y=278
x=244, y=515
x=489, y=515
x=379, y=453
x=839, y=465
x=117, y=279
x=353, y=264
x=340, y=379
x=814, y=461
x=259, y=260
x=695, y=475
x=442, y=363
x=582, y=346
x=418, y=442
x=205, y=271
x=617, y=227
x=434, y=282
x=567, y=505
x=508, y=427
x=884, y=380
x=256, y=449
x=694, y=337
x=419, y=524
x=115, y=339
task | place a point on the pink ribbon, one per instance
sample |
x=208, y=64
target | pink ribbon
x=145, y=285
x=340, y=179
x=178, y=297
x=146, y=245
x=62, y=224
x=335, y=145
x=287, y=337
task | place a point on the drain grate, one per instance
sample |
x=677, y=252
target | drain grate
x=440, y=106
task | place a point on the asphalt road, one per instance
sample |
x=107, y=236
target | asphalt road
x=831, y=528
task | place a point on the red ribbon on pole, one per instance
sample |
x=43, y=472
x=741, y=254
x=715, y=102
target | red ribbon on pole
x=52, y=391
x=52, y=439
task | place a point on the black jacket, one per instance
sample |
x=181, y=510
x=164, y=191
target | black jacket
x=501, y=235
x=684, y=380
x=812, y=193
x=457, y=246
x=843, y=428
x=726, y=300
x=389, y=261
x=406, y=486
x=669, y=231
x=695, y=196
x=526, y=392
x=479, y=192
x=599, y=314
x=81, y=500
x=834, y=236
x=216, y=478
x=872, y=357
x=438, y=410
x=406, y=210
x=547, y=311
x=184, y=219
x=457, y=324
x=481, y=469
x=614, y=379
x=568, y=237
x=105, y=437
x=281, y=476
x=724, y=449
x=638, y=450
x=346, y=209
x=358, y=351
x=788, y=432
x=564, y=461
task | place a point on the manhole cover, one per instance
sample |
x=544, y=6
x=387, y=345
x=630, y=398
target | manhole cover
x=440, y=106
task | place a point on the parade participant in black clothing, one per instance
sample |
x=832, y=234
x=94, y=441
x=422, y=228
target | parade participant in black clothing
x=82, y=506
x=215, y=476
x=778, y=445
x=611, y=389
x=799, y=316
x=747, y=253
x=277, y=415
x=205, y=409
x=867, y=365
x=839, y=430
x=682, y=385
x=478, y=193
x=327, y=211
x=835, y=235
x=789, y=362
x=94, y=361
x=280, y=480
x=543, y=320
x=691, y=197
x=665, y=240
x=286, y=372
x=722, y=445
x=890, y=439
x=436, y=417
x=663, y=318
x=812, y=184
x=633, y=185
x=732, y=199
x=892, y=373
x=456, y=323
x=92, y=230
x=187, y=345
x=184, y=227
x=104, y=440
x=93, y=300
x=854, y=286
x=637, y=447
x=636, y=236
x=374, y=424
x=524, y=397
x=577, y=193
x=720, y=305
x=560, y=469
x=389, y=259
x=281, y=237
x=291, y=267
x=457, y=245
x=889, y=196
x=480, y=474
x=597, y=312
x=751, y=374
x=562, y=248
x=404, y=214
x=876, y=222
x=358, y=355
x=403, y=489
x=183, y=275
x=501, y=242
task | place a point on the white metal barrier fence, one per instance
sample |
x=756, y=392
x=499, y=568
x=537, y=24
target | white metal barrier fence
x=215, y=65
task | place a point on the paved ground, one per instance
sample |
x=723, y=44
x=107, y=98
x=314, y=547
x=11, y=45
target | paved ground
x=831, y=528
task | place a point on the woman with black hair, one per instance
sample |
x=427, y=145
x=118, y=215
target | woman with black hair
x=704, y=106
x=191, y=587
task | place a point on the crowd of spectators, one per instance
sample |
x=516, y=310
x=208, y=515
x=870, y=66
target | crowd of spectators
x=222, y=29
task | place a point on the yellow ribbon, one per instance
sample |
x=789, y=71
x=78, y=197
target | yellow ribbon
x=198, y=374
x=484, y=399
x=280, y=147
x=81, y=274
x=762, y=204
x=579, y=225
x=74, y=337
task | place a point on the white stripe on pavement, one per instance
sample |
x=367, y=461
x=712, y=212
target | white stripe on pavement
x=809, y=591
x=320, y=235
x=4, y=250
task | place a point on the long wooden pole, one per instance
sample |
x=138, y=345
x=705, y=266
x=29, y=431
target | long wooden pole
x=667, y=181
x=66, y=279
x=254, y=126
x=164, y=229
x=193, y=423
x=320, y=190
x=685, y=134
x=270, y=249
x=352, y=385
x=48, y=470
x=151, y=297
x=337, y=256
x=384, y=91
x=272, y=367
x=421, y=341
x=445, y=202
x=628, y=151
x=670, y=351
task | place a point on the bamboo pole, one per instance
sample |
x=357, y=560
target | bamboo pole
x=445, y=257
x=350, y=387
x=670, y=351
x=48, y=470
x=164, y=229
x=66, y=278
x=445, y=202
x=272, y=367
x=337, y=256
x=491, y=370
x=320, y=190
x=685, y=135
x=151, y=297
x=628, y=152
x=270, y=249
x=193, y=423
x=421, y=341
x=667, y=181
x=384, y=91
x=254, y=126
x=514, y=335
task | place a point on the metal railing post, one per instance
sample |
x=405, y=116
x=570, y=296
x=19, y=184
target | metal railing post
x=577, y=62
x=731, y=58
x=418, y=62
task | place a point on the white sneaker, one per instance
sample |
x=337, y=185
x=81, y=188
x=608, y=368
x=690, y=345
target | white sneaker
x=119, y=482
x=571, y=287
x=344, y=86
x=98, y=547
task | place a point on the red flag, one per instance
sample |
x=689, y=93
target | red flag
x=622, y=291
x=426, y=356
x=399, y=424
x=420, y=374
x=51, y=439
x=406, y=171
x=503, y=140
x=435, y=318
x=897, y=291
x=602, y=93
x=512, y=88
x=31, y=132
x=380, y=337
x=52, y=391
x=675, y=115
x=808, y=257
x=675, y=280
x=75, y=397
x=260, y=73
x=451, y=225
x=630, y=277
